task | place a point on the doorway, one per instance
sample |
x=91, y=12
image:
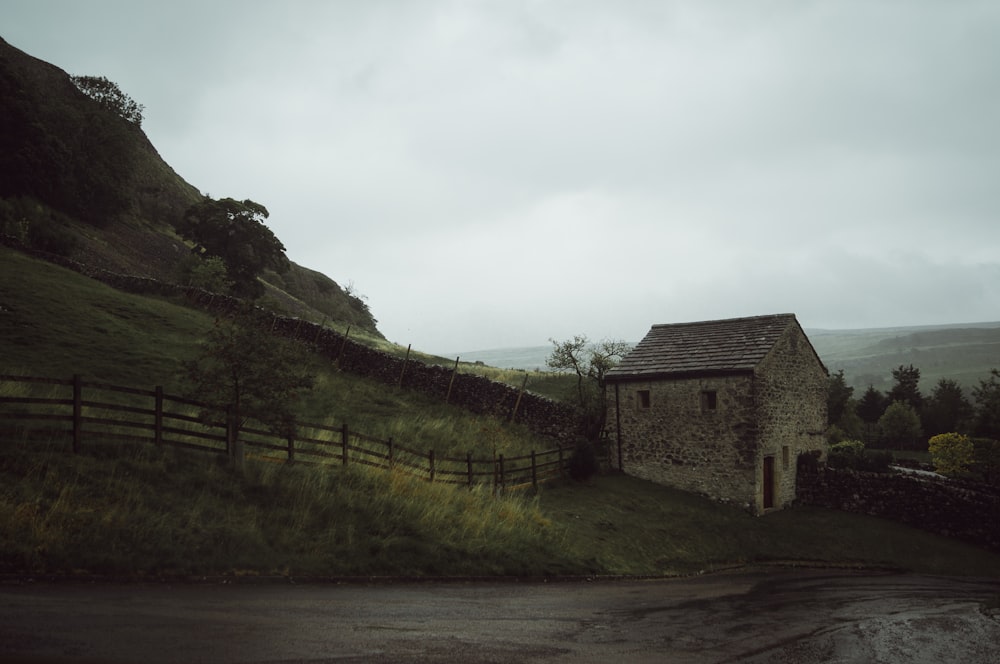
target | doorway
x=768, y=482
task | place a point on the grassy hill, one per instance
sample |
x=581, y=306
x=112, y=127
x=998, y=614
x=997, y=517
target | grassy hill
x=148, y=512
x=963, y=353
x=78, y=180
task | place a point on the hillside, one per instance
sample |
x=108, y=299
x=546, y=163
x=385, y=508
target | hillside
x=964, y=353
x=78, y=180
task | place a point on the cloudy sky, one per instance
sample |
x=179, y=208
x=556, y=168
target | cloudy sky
x=496, y=174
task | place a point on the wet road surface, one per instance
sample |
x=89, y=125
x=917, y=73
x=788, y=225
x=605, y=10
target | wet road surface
x=770, y=615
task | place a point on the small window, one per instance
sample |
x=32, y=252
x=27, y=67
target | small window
x=784, y=457
x=709, y=400
x=643, y=399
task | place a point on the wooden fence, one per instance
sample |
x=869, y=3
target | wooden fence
x=90, y=413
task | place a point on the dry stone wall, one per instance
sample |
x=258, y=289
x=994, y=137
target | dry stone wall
x=475, y=393
x=966, y=511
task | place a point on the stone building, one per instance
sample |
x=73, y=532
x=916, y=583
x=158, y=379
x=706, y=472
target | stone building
x=722, y=408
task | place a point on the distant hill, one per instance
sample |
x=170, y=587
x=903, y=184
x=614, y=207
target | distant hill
x=963, y=352
x=78, y=180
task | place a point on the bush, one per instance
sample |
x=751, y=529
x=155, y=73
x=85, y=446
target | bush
x=846, y=454
x=584, y=464
x=951, y=453
x=852, y=454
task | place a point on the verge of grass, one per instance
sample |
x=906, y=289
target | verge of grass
x=149, y=512
x=630, y=526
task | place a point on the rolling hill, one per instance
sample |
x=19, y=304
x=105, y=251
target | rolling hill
x=964, y=353
x=78, y=180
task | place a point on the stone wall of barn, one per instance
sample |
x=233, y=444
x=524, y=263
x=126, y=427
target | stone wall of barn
x=673, y=437
x=791, y=388
x=678, y=440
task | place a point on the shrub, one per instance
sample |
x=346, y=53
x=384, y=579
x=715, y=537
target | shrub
x=846, y=454
x=852, y=454
x=951, y=453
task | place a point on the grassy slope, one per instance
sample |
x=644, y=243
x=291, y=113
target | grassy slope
x=143, y=511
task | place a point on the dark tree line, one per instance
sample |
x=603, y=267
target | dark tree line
x=904, y=418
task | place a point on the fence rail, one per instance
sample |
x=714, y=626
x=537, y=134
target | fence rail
x=97, y=413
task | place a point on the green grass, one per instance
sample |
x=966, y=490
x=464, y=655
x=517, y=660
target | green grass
x=146, y=511
x=631, y=526
x=143, y=511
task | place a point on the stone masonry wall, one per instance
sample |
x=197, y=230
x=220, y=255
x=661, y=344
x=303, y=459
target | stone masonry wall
x=969, y=512
x=680, y=443
x=475, y=393
x=791, y=388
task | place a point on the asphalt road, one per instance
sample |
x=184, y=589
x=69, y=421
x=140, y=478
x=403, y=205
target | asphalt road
x=770, y=616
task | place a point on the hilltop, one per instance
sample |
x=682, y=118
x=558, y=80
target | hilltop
x=80, y=181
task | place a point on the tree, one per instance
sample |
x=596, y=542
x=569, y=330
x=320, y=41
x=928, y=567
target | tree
x=872, y=405
x=110, y=96
x=870, y=409
x=987, y=398
x=952, y=453
x=899, y=427
x=235, y=232
x=247, y=373
x=838, y=396
x=589, y=362
x=947, y=409
x=907, y=386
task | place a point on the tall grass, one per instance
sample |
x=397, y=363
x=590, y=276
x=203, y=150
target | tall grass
x=165, y=512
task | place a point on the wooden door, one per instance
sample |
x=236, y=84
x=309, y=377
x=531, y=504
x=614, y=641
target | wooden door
x=768, y=482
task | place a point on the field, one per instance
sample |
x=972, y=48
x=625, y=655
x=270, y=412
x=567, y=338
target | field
x=139, y=510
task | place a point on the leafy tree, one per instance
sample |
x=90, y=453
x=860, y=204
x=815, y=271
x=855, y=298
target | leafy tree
x=907, y=386
x=235, y=232
x=247, y=373
x=952, y=453
x=947, y=409
x=899, y=427
x=110, y=96
x=208, y=274
x=987, y=398
x=590, y=362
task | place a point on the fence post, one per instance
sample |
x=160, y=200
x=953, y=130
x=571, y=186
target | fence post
x=560, y=460
x=233, y=442
x=389, y=442
x=534, y=471
x=500, y=477
x=402, y=372
x=291, y=448
x=158, y=416
x=447, y=397
x=77, y=413
x=318, y=330
x=343, y=443
x=430, y=460
x=468, y=464
x=517, y=404
x=343, y=345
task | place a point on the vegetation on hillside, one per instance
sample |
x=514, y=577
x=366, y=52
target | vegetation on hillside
x=79, y=178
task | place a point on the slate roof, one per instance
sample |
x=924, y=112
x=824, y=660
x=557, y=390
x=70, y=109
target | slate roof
x=734, y=345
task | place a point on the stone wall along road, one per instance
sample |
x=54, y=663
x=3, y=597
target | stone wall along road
x=766, y=615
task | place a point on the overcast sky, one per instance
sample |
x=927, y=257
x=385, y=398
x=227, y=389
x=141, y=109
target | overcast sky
x=495, y=174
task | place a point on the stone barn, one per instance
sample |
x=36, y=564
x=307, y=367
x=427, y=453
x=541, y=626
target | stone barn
x=722, y=408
